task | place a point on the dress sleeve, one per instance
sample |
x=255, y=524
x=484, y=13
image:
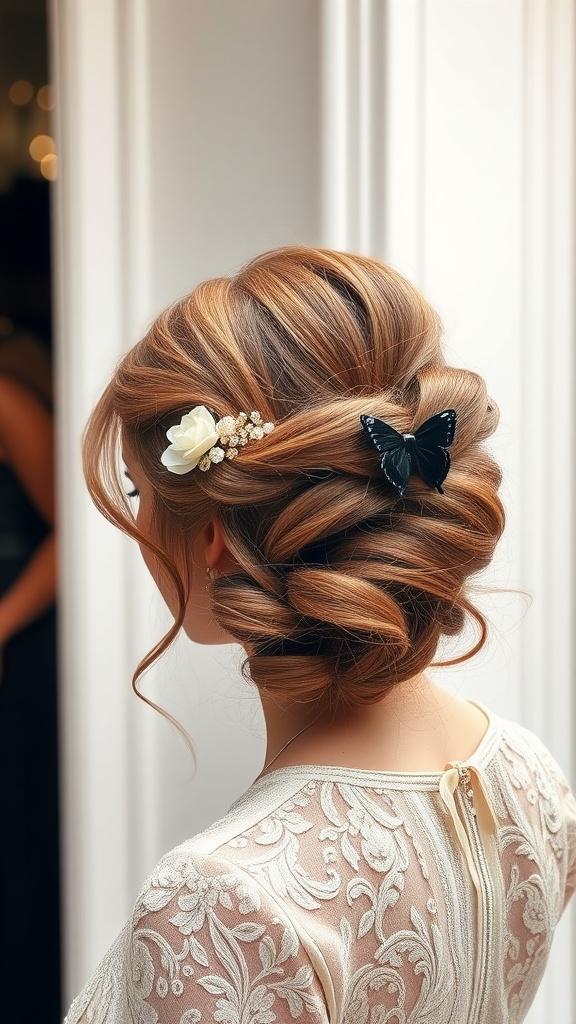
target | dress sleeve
x=210, y=944
x=562, y=812
x=570, y=820
x=557, y=804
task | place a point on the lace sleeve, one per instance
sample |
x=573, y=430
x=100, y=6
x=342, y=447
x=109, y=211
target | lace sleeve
x=559, y=807
x=570, y=818
x=209, y=944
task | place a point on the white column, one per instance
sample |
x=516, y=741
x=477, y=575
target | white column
x=90, y=311
x=353, y=50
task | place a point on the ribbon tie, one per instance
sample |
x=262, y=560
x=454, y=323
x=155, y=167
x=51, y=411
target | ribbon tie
x=481, y=807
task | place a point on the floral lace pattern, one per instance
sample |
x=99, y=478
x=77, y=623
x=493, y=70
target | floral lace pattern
x=333, y=894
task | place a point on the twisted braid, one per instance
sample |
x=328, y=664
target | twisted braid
x=342, y=586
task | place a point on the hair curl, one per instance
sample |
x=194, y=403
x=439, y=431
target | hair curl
x=343, y=587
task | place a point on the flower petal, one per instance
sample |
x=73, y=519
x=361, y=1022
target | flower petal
x=173, y=433
x=172, y=459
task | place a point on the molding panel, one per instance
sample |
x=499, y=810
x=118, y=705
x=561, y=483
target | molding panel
x=479, y=210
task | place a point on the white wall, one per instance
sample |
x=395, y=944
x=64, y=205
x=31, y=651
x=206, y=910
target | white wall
x=479, y=209
x=436, y=134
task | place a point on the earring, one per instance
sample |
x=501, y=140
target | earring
x=212, y=574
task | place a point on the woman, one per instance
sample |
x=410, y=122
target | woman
x=28, y=711
x=323, y=499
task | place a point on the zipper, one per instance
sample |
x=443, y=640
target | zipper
x=485, y=902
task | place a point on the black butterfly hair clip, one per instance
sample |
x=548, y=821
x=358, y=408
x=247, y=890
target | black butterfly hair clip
x=424, y=452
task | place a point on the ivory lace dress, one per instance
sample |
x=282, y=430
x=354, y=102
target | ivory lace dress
x=356, y=897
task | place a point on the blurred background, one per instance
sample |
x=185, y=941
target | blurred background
x=29, y=735
x=148, y=144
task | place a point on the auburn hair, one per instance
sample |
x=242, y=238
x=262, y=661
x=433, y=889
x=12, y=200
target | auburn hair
x=343, y=588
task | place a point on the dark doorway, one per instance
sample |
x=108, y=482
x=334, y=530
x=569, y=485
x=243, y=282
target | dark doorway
x=29, y=848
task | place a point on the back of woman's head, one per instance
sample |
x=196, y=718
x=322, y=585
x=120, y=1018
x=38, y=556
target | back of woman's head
x=343, y=586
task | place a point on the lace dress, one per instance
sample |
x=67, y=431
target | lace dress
x=357, y=897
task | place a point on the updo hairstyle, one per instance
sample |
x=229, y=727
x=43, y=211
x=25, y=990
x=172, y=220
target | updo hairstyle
x=343, y=587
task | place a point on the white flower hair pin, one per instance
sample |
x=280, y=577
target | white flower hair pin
x=200, y=439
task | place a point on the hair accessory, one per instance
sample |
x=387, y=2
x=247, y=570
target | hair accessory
x=200, y=439
x=423, y=452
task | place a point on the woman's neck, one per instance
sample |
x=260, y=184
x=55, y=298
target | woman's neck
x=417, y=726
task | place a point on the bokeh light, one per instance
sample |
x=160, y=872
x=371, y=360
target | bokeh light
x=41, y=146
x=45, y=98
x=49, y=166
x=21, y=92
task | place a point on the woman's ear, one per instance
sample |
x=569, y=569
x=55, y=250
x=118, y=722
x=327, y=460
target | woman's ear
x=216, y=555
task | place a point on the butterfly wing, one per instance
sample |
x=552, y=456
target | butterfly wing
x=391, y=447
x=431, y=459
x=438, y=430
x=382, y=435
x=432, y=464
x=396, y=468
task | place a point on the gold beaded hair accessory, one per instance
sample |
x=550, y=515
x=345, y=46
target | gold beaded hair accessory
x=200, y=439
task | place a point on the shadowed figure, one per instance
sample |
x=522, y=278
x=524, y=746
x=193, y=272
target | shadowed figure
x=29, y=869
